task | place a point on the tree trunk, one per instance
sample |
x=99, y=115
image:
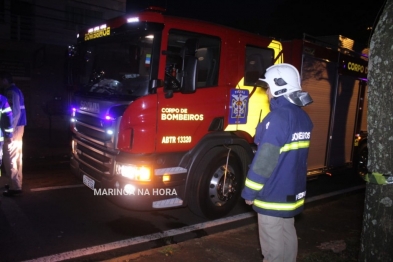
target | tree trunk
x=377, y=244
x=377, y=232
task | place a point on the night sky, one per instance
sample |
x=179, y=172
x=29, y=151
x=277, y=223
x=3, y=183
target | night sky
x=282, y=19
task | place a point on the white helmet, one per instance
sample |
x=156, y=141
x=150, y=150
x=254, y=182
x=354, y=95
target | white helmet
x=284, y=80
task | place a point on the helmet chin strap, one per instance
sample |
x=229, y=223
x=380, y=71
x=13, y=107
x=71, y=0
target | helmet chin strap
x=299, y=98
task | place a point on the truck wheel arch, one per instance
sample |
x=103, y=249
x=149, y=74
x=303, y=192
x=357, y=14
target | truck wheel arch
x=239, y=146
x=210, y=150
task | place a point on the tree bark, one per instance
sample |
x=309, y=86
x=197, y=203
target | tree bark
x=377, y=231
x=376, y=244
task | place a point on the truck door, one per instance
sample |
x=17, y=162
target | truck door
x=344, y=121
x=183, y=119
x=333, y=112
x=319, y=78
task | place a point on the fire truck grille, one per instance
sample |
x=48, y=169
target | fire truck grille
x=91, y=127
x=91, y=172
x=89, y=120
x=98, y=163
x=99, y=158
x=96, y=134
x=94, y=147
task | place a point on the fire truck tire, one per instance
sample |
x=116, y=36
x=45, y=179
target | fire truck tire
x=214, y=192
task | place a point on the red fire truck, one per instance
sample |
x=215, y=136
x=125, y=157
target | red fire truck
x=166, y=110
x=336, y=78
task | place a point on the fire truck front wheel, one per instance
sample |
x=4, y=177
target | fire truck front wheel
x=216, y=185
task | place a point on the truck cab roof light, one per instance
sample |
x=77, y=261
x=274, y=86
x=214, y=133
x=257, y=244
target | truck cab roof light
x=133, y=20
x=96, y=28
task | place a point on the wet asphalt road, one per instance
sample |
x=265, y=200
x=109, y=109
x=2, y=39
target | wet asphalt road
x=44, y=222
x=48, y=219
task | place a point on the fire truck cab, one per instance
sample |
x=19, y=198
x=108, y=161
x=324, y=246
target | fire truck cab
x=166, y=109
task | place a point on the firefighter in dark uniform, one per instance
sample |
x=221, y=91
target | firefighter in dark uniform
x=12, y=152
x=276, y=182
x=5, y=124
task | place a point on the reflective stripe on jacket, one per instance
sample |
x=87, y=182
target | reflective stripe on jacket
x=5, y=119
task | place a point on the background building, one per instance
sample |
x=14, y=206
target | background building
x=34, y=36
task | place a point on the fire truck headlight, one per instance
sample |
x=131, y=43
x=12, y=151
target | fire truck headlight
x=139, y=173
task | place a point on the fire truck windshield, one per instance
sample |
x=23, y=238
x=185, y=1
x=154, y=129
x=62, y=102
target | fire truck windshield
x=115, y=66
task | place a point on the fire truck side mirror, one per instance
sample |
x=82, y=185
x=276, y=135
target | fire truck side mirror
x=189, y=77
x=260, y=83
